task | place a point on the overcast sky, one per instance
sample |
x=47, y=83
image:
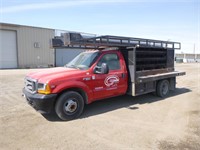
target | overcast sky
x=174, y=20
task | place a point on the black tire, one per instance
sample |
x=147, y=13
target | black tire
x=69, y=105
x=162, y=88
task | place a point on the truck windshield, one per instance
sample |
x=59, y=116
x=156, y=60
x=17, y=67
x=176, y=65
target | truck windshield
x=83, y=61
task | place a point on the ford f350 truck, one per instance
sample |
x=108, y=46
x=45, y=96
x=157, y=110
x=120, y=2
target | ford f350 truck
x=110, y=66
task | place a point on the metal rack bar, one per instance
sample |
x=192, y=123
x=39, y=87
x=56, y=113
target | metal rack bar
x=75, y=40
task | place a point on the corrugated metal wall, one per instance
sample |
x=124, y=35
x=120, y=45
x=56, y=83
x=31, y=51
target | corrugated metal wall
x=33, y=45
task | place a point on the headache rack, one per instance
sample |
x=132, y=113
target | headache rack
x=76, y=40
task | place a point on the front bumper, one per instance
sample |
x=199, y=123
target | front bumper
x=40, y=102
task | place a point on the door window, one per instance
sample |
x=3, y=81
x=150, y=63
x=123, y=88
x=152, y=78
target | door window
x=112, y=60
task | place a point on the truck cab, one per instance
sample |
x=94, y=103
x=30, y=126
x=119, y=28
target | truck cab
x=92, y=75
x=98, y=74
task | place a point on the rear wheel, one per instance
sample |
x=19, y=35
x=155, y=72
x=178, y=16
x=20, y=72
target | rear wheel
x=162, y=89
x=69, y=106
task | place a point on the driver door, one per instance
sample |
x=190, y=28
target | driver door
x=112, y=84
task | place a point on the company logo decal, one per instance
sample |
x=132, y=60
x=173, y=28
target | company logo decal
x=111, y=81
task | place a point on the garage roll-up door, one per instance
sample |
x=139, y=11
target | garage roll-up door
x=8, y=49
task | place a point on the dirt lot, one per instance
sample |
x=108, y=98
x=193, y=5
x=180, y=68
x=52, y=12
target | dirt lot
x=143, y=122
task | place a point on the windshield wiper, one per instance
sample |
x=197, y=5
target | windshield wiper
x=72, y=66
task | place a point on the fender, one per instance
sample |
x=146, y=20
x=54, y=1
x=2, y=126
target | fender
x=74, y=84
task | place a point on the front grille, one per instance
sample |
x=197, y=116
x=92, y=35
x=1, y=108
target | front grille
x=30, y=85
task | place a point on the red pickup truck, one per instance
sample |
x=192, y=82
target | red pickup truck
x=99, y=74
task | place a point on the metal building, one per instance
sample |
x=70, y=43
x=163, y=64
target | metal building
x=186, y=57
x=25, y=47
x=29, y=47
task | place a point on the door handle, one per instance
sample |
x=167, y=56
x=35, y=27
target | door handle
x=123, y=75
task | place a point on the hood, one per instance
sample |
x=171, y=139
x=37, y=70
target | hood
x=48, y=75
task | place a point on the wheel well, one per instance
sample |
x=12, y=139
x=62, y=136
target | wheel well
x=78, y=90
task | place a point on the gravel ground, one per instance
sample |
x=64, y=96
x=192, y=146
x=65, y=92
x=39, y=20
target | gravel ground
x=125, y=122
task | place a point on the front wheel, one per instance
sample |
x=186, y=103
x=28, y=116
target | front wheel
x=162, y=89
x=69, y=105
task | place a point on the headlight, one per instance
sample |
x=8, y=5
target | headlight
x=43, y=88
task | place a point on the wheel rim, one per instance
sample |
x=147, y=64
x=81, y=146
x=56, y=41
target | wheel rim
x=165, y=88
x=70, y=106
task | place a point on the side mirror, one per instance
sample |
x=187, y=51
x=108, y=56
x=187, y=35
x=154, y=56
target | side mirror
x=104, y=68
x=101, y=70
